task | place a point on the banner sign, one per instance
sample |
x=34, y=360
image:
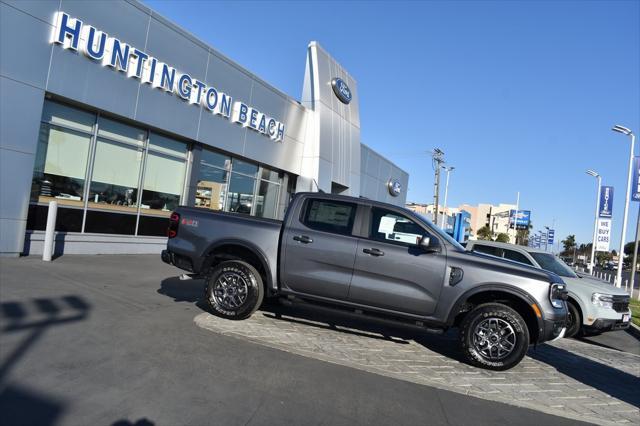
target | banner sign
x=536, y=241
x=521, y=219
x=603, y=236
x=551, y=236
x=605, y=206
x=635, y=187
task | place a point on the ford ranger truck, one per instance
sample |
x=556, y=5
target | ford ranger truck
x=373, y=258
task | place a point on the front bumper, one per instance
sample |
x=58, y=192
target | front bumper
x=601, y=325
x=554, y=326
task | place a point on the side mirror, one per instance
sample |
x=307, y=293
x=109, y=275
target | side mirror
x=428, y=244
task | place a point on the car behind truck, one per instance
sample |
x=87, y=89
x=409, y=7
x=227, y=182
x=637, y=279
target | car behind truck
x=343, y=251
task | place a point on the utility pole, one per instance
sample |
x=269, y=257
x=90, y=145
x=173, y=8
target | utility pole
x=438, y=158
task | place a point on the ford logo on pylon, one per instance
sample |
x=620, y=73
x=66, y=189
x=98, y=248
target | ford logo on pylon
x=394, y=186
x=341, y=90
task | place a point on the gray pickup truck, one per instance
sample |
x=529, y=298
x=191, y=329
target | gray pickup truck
x=372, y=258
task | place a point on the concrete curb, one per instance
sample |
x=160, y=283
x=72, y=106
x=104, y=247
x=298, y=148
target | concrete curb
x=634, y=330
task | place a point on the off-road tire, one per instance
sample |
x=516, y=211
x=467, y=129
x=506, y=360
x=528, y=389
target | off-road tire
x=574, y=321
x=504, y=314
x=251, y=285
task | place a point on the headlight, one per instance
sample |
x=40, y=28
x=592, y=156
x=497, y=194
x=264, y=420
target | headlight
x=558, y=294
x=602, y=300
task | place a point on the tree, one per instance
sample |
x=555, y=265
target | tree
x=484, y=233
x=502, y=238
x=569, y=243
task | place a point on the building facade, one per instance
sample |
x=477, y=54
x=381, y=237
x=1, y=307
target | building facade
x=118, y=115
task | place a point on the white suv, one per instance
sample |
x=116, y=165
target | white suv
x=595, y=306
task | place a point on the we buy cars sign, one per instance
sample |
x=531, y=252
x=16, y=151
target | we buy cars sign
x=603, y=237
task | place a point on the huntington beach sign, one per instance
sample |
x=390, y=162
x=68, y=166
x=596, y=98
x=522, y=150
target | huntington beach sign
x=71, y=33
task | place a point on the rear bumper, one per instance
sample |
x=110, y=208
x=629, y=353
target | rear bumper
x=176, y=260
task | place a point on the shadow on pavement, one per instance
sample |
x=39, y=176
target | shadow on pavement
x=141, y=422
x=182, y=290
x=614, y=382
x=19, y=405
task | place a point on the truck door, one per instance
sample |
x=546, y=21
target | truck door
x=392, y=271
x=320, y=249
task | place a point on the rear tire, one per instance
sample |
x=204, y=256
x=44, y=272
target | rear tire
x=233, y=290
x=574, y=320
x=493, y=336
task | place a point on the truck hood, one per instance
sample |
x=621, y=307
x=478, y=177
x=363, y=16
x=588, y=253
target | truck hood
x=594, y=285
x=497, y=264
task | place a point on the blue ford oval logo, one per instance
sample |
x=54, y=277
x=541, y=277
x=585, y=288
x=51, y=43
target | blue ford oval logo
x=395, y=187
x=341, y=90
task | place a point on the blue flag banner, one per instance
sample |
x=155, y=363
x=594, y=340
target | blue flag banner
x=605, y=206
x=635, y=187
x=551, y=237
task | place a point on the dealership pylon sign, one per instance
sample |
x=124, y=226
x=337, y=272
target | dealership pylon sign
x=605, y=213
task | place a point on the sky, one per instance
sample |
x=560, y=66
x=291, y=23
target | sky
x=521, y=96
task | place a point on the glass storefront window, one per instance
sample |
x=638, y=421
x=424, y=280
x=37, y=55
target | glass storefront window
x=68, y=117
x=267, y=199
x=245, y=168
x=133, y=178
x=212, y=180
x=114, y=184
x=112, y=130
x=240, y=199
x=270, y=175
x=61, y=164
x=163, y=183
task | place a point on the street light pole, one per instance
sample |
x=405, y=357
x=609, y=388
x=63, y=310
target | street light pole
x=627, y=132
x=446, y=192
x=595, y=221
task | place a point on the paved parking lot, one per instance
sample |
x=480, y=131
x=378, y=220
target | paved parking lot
x=569, y=377
x=112, y=340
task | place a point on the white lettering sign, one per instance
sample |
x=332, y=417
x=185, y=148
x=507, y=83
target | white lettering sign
x=72, y=33
x=603, y=236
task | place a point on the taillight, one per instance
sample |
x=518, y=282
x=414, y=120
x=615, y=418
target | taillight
x=174, y=221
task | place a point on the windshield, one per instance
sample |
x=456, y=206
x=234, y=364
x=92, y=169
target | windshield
x=440, y=232
x=551, y=263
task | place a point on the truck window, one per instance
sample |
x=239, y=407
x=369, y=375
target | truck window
x=330, y=216
x=493, y=251
x=391, y=227
x=516, y=256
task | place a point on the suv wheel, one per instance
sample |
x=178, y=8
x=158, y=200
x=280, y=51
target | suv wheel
x=494, y=336
x=233, y=290
x=574, y=320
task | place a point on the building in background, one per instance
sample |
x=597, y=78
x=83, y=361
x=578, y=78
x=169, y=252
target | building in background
x=119, y=115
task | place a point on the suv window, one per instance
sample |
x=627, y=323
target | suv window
x=389, y=226
x=516, y=256
x=330, y=216
x=492, y=250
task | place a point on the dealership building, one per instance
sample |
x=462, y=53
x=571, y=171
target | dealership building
x=119, y=116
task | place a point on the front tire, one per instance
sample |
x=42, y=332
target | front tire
x=234, y=290
x=494, y=337
x=574, y=320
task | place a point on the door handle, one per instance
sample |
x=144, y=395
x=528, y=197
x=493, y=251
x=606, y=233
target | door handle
x=303, y=239
x=373, y=252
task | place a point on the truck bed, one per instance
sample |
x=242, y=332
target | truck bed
x=199, y=227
